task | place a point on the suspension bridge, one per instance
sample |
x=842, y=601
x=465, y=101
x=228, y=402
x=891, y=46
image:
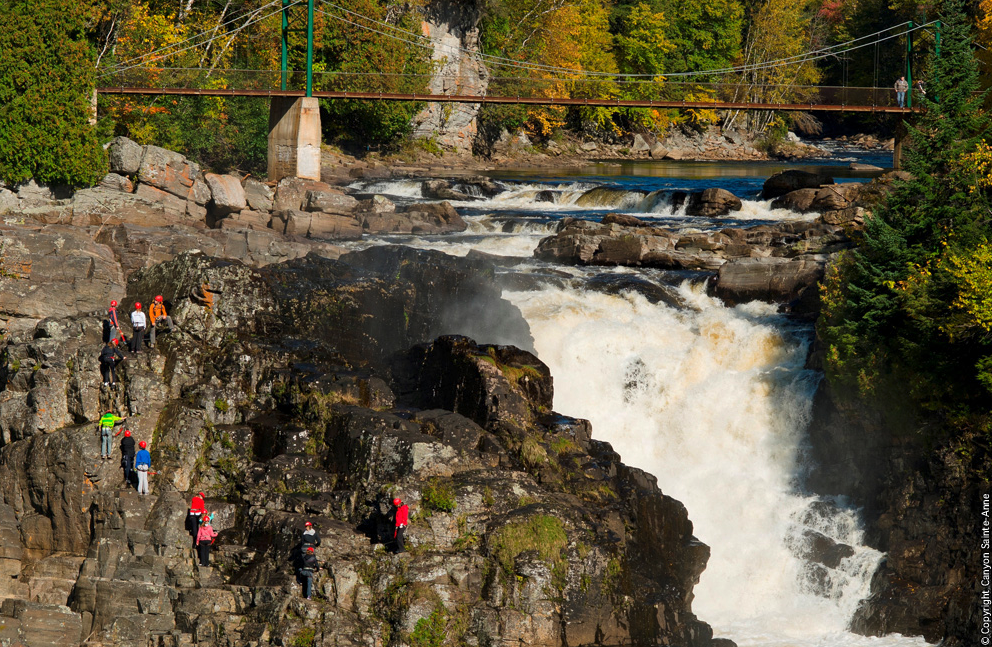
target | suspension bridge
x=294, y=122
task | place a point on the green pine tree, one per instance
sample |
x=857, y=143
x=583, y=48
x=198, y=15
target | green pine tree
x=47, y=78
x=887, y=304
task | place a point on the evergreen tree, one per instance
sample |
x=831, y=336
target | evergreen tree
x=46, y=83
x=893, y=308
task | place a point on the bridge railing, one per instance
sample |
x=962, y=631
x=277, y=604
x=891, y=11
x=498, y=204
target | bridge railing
x=619, y=88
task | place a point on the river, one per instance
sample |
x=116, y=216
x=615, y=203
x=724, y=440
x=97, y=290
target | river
x=714, y=401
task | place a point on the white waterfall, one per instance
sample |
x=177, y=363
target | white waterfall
x=714, y=402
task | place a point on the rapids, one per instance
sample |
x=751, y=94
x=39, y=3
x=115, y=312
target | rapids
x=714, y=401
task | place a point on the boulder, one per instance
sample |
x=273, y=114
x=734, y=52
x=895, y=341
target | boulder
x=227, y=194
x=623, y=219
x=376, y=204
x=791, y=180
x=852, y=216
x=712, y=203
x=257, y=195
x=441, y=190
x=330, y=200
x=327, y=226
x=835, y=196
x=291, y=192
x=799, y=200
x=588, y=146
x=125, y=156
x=771, y=280
x=659, y=152
x=168, y=171
x=8, y=201
x=640, y=145
x=116, y=182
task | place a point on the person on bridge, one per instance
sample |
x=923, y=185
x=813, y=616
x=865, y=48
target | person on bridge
x=110, y=357
x=138, y=324
x=127, y=456
x=157, y=315
x=107, y=423
x=921, y=89
x=142, y=461
x=901, y=88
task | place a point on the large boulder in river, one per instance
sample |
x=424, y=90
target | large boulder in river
x=774, y=280
x=799, y=200
x=791, y=180
x=712, y=203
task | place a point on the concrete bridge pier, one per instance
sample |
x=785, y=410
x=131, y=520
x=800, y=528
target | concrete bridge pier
x=294, y=138
x=898, y=138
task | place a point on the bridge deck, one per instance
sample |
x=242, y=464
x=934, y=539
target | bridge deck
x=456, y=98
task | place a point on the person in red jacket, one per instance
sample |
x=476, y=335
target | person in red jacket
x=196, y=509
x=402, y=516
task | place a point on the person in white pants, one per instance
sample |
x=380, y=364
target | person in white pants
x=142, y=461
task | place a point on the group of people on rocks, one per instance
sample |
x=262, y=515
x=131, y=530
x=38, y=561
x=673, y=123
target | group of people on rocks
x=132, y=462
x=111, y=355
x=199, y=526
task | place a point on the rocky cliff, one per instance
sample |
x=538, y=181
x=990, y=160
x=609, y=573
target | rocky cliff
x=453, y=29
x=310, y=389
x=921, y=488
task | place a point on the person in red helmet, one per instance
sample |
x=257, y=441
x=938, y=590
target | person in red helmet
x=127, y=456
x=402, y=516
x=113, y=329
x=197, y=508
x=310, y=536
x=309, y=565
x=138, y=324
x=110, y=357
x=142, y=461
x=157, y=316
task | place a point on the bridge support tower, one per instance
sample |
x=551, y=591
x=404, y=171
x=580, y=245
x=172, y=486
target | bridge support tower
x=294, y=123
x=294, y=138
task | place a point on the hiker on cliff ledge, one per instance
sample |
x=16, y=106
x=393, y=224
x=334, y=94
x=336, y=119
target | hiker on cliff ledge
x=204, y=537
x=310, y=537
x=402, y=516
x=127, y=456
x=107, y=423
x=138, y=324
x=110, y=357
x=113, y=330
x=157, y=316
x=309, y=566
x=142, y=461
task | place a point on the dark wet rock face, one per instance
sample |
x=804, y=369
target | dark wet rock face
x=318, y=389
x=913, y=490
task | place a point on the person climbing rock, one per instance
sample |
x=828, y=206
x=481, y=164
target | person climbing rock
x=309, y=566
x=197, y=508
x=157, y=316
x=113, y=324
x=127, y=455
x=110, y=357
x=138, y=325
x=204, y=537
x=107, y=423
x=402, y=518
x=142, y=461
x=310, y=537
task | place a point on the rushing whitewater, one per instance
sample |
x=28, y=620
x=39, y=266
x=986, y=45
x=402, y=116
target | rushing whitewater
x=713, y=401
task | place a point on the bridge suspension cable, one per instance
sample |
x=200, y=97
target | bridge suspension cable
x=130, y=64
x=417, y=39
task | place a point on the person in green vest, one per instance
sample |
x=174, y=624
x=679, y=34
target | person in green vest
x=107, y=423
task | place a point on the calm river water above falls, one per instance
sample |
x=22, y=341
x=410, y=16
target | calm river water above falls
x=713, y=401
